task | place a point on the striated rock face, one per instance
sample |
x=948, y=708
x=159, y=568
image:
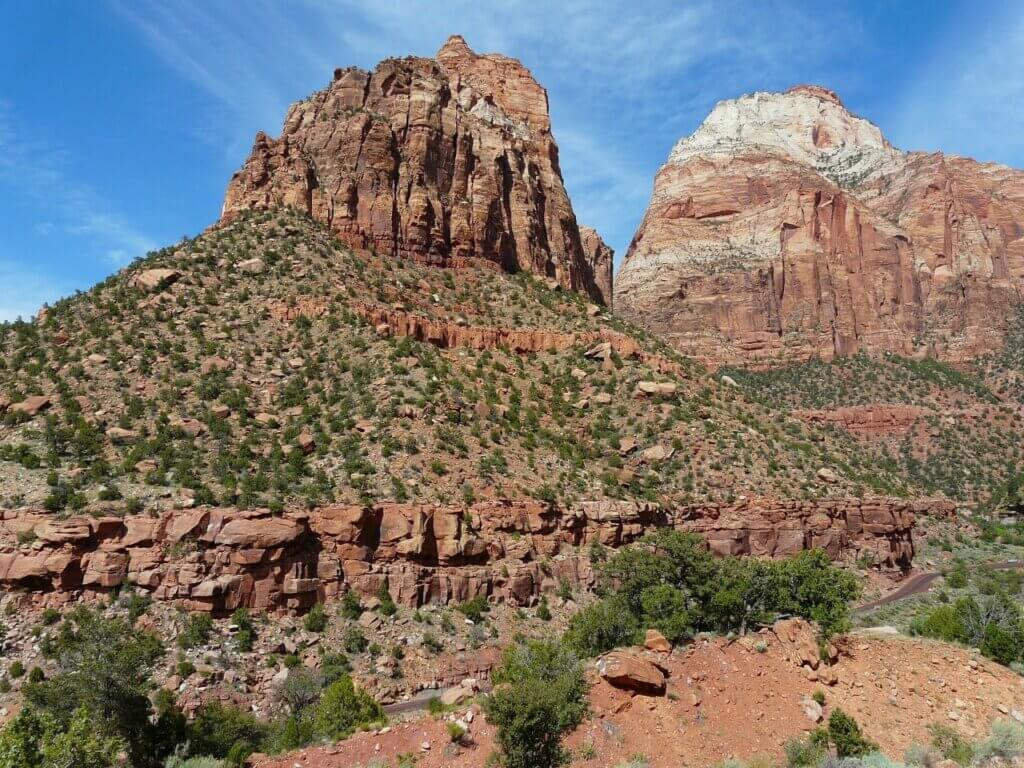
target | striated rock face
x=438, y=160
x=219, y=559
x=600, y=259
x=867, y=421
x=787, y=228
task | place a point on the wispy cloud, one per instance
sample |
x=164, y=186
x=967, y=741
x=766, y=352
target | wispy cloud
x=26, y=288
x=967, y=100
x=624, y=84
x=36, y=172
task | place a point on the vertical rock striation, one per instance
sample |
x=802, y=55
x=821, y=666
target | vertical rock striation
x=438, y=160
x=787, y=228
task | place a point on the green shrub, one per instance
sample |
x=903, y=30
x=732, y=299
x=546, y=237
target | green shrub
x=665, y=609
x=600, y=627
x=104, y=669
x=455, y=732
x=246, y=634
x=956, y=577
x=192, y=762
x=218, y=729
x=1005, y=743
x=845, y=736
x=807, y=753
x=686, y=588
x=387, y=603
x=344, y=708
x=474, y=609
x=950, y=744
x=942, y=622
x=17, y=669
x=351, y=607
x=38, y=740
x=316, y=619
x=1003, y=644
x=543, y=610
x=354, y=640
x=198, y=627
x=540, y=694
x=334, y=666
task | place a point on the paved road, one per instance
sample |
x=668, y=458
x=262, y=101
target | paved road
x=421, y=700
x=922, y=582
x=915, y=585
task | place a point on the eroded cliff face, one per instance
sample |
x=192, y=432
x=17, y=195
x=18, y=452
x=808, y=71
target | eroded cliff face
x=787, y=228
x=438, y=160
x=600, y=257
x=220, y=559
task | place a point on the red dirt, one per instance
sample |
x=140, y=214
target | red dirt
x=728, y=699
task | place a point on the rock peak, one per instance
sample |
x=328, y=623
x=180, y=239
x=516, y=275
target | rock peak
x=455, y=45
x=437, y=160
x=818, y=91
x=818, y=132
x=787, y=228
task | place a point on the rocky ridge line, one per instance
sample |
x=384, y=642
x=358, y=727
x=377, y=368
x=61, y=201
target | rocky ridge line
x=219, y=559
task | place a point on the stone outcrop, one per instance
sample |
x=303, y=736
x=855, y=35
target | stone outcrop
x=442, y=332
x=787, y=228
x=867, y=421
x=601, y=261
x=219, y=559
x=438, y=160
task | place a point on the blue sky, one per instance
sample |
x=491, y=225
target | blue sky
x=122, y=120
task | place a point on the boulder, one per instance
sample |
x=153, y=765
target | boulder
x=252, y=266
x=632, y=672
x=812, y=709
x=32, y=406
x=655, y=641
x=652, y=388
x=120, y=436
x=156, y=279
x=259, y=533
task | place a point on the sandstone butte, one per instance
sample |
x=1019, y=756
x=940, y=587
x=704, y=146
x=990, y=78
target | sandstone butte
x=219, y=559
x=438, y=160
x=787, y=228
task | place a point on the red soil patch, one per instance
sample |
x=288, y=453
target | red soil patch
x=730, y=699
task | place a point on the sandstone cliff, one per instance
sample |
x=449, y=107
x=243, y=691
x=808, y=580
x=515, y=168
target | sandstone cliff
x=437, y=160
x=787, y=228
x=219, y=559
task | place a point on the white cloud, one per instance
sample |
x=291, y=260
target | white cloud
x=26, y=289
x=36, y=172
x=967, y=99
x=625, y=82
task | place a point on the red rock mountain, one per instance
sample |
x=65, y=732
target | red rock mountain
x=438, y=160
x=787, y=228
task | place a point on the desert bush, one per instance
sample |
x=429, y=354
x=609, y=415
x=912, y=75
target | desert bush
x=540, y=694
x=344, y=708
x=1006, y=742
x=601, y=626
x=316, y=619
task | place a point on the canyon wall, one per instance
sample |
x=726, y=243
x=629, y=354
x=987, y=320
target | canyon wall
x=787, y=228
x=437, y=160
x=219, y=559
